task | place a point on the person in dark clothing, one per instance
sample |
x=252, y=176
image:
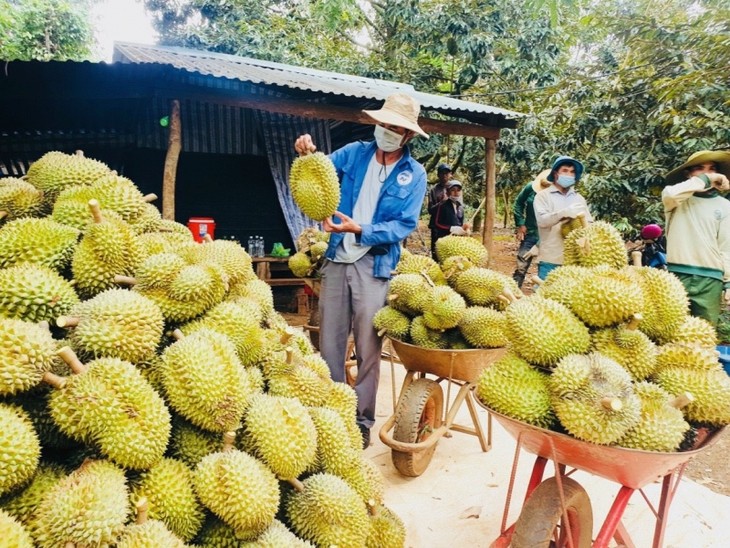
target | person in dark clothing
x=449, y=214
x=653, y=251
x=436, y=196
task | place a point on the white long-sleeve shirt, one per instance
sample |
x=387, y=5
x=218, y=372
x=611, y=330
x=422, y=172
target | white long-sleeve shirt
x=549, y=207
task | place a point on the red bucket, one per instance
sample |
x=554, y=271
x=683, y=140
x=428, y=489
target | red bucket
x=200, y=226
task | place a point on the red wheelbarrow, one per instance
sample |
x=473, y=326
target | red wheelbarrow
x=422, y=415
x=557, y=511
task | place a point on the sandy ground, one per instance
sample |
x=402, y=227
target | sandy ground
x=459, y=500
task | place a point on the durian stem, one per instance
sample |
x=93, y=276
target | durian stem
x=583, y=220
x=207, y=238
x=71, y=359
x=229, y=438
x=151, y=197
x=428, y=278
x=67, y=321
x=634, y=322
x=392, y=297
x=507, y=294
x=612, y=404
x=289, y=356
x=636, y=258
x=382, y=332
x=43, y=324
x=177, y=334
x=125, y=280
x=537, y=280
x=54, y=380
x=79, y=153
x=96, y=211
x=296, y=484
x=682, y=400
x=3, y=214
x=69, y=544
x=141, y=508
x=372, y=507
x=285, y=337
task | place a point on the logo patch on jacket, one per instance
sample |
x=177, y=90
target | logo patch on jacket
x=404, y=178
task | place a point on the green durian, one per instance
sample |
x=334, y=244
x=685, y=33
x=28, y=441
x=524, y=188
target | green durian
x=315, y=186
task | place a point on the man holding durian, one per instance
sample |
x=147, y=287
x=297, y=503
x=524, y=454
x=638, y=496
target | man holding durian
x=382, y=189
x=698, y=230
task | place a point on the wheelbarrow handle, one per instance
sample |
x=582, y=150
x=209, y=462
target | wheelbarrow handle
x=405, y=447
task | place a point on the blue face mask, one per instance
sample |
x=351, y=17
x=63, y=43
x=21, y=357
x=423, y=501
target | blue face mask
x=566, y=181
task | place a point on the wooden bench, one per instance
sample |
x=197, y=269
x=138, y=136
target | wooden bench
x=276, y=282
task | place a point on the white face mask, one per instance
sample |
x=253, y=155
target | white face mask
x=388, y=141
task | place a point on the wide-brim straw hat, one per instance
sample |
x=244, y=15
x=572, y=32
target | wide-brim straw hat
x=720, y=157
x=542, y=176
x=400, y=110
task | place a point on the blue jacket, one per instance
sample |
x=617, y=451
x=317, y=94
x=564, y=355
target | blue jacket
x=399, y=204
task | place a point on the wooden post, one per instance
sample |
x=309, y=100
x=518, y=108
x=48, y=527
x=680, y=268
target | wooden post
x=174, y=144
x=490, y=195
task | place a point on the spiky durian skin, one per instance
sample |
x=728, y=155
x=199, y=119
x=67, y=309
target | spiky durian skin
x=217, y=534
x=55, y=171
x=424, y=337
x=276, y=535
x=409, y=293
x=454, y=266
x=13, y=533
x=258, y=291
x=205, y=381
x=150, y=534
x=27, y=351
x=560, y=284
x=482, y=287
x=665, y=302
x=451, y=246
x=190, y=444
x=386, y=530
x=38, y=241
x=19, y=198
x=283, y=434
x=87, y=508
x=543, y=331
x=168, y=488
x=300, y=265
x=239, y=489
x=483, y=327
x=630, y=348
x=112, y=406
x=302, y=383
x=687, y=356
x=597, y=244
x=710, y=390
x=118, y=323
x=513, y=387
x=420, y=264
x=578, y=386
x=603, y=298
x=328, y=512
x=395, y=323
x=230, y=256
x=444, y=308
x=661, y=428
x=19, y=448
x=314, y=185
x=22, y=504
x=34, y=293
x=697, y=331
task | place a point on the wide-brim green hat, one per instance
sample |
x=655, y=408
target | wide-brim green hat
x=720, y=157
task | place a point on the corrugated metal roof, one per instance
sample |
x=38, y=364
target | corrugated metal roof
x=256, y=71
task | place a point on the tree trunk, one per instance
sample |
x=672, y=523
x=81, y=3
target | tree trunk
x=489, y=195
x=174, y=144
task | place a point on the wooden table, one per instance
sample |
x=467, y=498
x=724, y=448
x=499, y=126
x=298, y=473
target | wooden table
x=275, y=272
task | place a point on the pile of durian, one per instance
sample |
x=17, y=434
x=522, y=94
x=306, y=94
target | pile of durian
x=151, y=396
x=311, y=246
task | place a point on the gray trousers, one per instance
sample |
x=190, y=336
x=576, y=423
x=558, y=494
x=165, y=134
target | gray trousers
x=349, y=298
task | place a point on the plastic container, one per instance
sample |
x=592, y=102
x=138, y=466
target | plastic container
x=200, y=226
x=724, y=351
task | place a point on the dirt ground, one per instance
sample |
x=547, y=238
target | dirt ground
x=710, y=468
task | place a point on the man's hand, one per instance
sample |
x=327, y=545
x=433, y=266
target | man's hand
x=718, y=181
x=572, y=211
x=520, y=234
x=304, y=145
x=457, y=231
x=346, y=224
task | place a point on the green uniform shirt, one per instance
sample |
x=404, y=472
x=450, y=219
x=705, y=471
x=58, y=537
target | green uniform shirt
x=524, y=211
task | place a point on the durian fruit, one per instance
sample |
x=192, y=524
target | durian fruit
x=391, y=322
x=572, y=224
x=22, y=504
x=420, y=264
x=483, y=327
x=19, y=448
x=462, y=246
x=27, y=351
x=190, y=444
x=453, y=266
x=238, y=488
x=282, y=433
x=146, y=532
x=301, y=382
x=109, y=248
x=276, y=535
x=314, y=185
x=560, y=284
x=167, y=488
x=662, y=426
x=205, y=381
x=710, y=390
x=513, y=387
x=108, y=404
x=328, y=512
x=39, y=241
x=217, y=534
x=148, y=221
x=597, y=244
x=256, y=290
x=13, y=533
x=444, y=308
x=424, y=337
x=687, y=356
x=594, y=398
x=696, y=331
x=605, y=297
x=386, y=529
x=482, y=287
x=55, y=171
x=19, y=198
x=86, y=508
x=628, y=347
x=300, y=265
x=116, y=323
x=34, y=293
x=543, y=331
x=234, y=260
x=409, y=293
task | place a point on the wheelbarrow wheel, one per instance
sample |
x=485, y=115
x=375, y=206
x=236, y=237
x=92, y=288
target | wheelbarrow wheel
x=418, y=414
x=541, y=522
